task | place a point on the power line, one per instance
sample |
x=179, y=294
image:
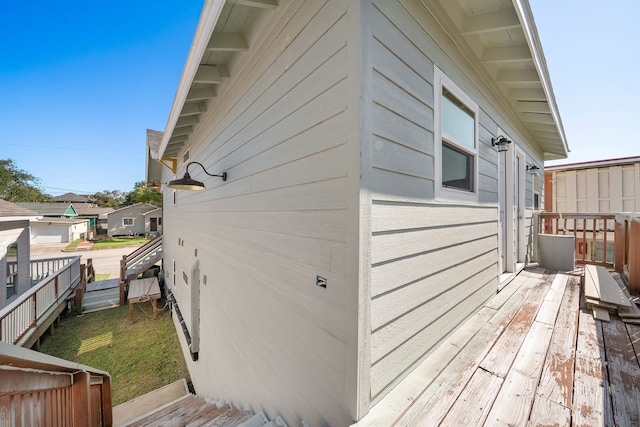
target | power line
x=69, y=148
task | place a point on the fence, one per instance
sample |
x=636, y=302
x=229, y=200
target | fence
x=611, y=240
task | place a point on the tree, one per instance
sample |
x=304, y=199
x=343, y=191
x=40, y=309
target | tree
x=142, y=194
x=109, y=199
x=17, y=185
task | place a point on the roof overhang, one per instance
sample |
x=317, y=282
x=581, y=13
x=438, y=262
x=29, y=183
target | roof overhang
x=497, y=37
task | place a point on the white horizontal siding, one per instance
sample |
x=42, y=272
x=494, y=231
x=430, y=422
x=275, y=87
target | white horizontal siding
x=270, y=338
x=433, y=264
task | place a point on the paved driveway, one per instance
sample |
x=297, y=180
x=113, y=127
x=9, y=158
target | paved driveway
x=105, y=261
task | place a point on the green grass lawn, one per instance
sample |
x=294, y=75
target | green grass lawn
x=140, y=357
x=114, y=242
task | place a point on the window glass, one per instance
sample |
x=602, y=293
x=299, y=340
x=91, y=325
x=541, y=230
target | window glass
x=457, y=168
x=127, y=221
x=458, y=121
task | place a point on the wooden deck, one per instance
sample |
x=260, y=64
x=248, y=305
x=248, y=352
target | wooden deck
x=533, y=355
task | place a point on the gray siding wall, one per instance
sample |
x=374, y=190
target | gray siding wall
x=270, y=339
x=433, y=263
x=115, y=227
x=15, y=232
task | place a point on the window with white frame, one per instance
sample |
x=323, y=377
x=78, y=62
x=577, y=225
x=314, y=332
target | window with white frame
x=127, y=222
x=456, y=141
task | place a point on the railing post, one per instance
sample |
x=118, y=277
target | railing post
x=34, y=313
x=634, y=256
x=619, y=244
x=107, y=405
x=81, y=399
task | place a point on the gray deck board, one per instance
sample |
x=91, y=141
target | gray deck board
x=540, y=359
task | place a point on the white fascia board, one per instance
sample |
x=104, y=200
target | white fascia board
x=523, y=9
x=208, y=19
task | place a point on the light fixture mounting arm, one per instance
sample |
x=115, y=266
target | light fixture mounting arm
x=222, y=175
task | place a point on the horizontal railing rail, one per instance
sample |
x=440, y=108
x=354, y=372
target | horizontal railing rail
x=21, y=315
x=608, y=239
x=593, y=233
x=41, y=268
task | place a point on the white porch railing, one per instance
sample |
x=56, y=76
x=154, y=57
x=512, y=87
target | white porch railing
x=23, y=314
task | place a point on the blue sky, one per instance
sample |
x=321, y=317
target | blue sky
x=80, y=82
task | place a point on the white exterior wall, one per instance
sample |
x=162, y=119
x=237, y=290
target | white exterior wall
x=433, y=262
x=269, y=338
x=14, y=232
x=52, y=232
x=597, y=189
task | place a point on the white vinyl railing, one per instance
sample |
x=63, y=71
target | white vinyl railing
x=17, y=318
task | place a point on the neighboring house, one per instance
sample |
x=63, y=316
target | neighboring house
x=366, y=212
x=96, y=215
x=15, y=252
x=51, y=209
x=601, y=186
x=153, y=222
x=71, y=198
x=133, y=220
x=59, y=230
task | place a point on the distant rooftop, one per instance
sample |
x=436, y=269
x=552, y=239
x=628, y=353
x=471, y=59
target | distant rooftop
x=8, y=210
x=71, y=198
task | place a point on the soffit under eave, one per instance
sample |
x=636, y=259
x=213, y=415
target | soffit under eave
x=499, y=40
x=208, y=19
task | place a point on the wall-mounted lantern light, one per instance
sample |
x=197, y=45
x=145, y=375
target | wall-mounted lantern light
x=154, y=185
x=501, y=142
x=532, y=169
x=187, y=183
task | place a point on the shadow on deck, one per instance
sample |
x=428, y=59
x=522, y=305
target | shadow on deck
x=533, y=355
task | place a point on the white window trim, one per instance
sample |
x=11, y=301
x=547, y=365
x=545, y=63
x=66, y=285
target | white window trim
x=442, y=193
x=128, y=225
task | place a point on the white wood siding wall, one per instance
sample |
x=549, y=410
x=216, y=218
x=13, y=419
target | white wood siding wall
x=604, y=189
x=433, y=264
x=270, y=339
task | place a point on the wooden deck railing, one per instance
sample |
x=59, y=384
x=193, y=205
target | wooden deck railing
x=138, y=256
x=611, y=240
x=37, y=389
x=23, y=314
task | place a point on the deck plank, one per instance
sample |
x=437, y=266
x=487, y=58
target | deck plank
x=434, y=403
x=555, y=372
x=503, y=353
x=634, y=335
x=474, y=403
x=548, y=413
x=514, y=401
x=591, y=402
x=394, y=404
x=550, y=306
x=624, y=373
x=556, y=382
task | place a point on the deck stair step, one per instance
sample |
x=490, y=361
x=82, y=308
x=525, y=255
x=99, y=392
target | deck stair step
x=192, y=411
x=101, y=295
x=141, y=259
x=606, y=293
